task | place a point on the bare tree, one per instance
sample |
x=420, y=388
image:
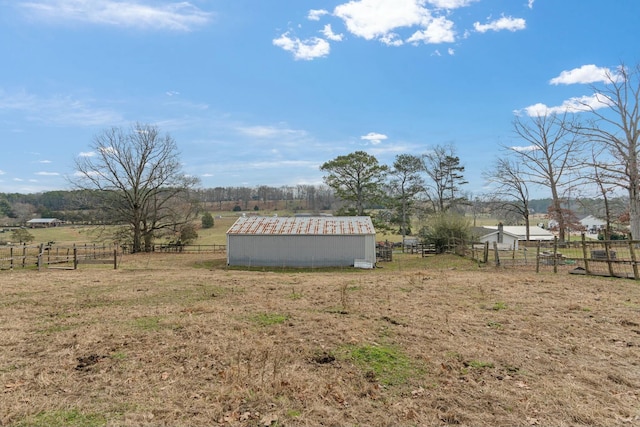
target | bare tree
x=509, y=190
x=444, y=189
x=614, y=126
x=550, y=154
x=404, y=185
x=138, y=174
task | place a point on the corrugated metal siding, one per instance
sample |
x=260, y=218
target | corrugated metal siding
x=301, y=241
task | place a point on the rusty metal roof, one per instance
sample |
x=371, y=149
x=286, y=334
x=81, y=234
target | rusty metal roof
x=332, y=225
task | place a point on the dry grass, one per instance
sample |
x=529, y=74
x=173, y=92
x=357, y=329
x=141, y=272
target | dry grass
x=176, y=340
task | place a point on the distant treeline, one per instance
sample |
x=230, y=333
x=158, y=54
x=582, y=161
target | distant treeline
x=79, y=206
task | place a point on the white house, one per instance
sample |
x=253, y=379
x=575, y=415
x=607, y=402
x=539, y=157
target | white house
x=593, y=224
x=507, y=237
x=305, y=241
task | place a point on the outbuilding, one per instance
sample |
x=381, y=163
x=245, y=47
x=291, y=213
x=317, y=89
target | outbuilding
x=43, y=222
x=508, y=237
x=309, y=241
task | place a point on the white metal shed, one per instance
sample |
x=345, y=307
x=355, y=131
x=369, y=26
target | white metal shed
x=322, y=241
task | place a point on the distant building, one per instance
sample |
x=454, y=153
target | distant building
x=304, y=241
x=592, y=224
x=43, y=222
x=507, y=237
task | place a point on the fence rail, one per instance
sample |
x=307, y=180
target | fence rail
x=51, y=255
x=56, y=256
x=612, y=258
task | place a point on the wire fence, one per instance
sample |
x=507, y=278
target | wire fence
x=613, y=258
x=51, y=255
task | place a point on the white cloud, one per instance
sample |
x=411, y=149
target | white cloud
x=393, y=23
x=277, y=164
x=44, y=161
x=584, y=75
x=316, y=14
x=2, y=172
x=47, y=173
x=391, y=39
x=172, y=93
x=180, y=16
x=451, y=51
x=440, y=30
x=504, y=23
x=372, y=19
x=374, y=138
x=270, y=132
x=328, y=33
x=451, y=4
x=58, y=110
x=572, y=105
x=530, y=4
x=309, y=49
x=87, y=154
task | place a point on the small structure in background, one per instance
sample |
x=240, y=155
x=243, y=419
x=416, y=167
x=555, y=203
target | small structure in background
x=43, y=222
x=303, y=241
x=592, y=224
x=507, y=237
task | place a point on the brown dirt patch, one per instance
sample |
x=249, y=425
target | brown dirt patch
x=161, y=342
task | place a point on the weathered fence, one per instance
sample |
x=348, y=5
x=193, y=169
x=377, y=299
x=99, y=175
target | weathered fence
x=56, y=256
x=179, y=248
x=613, y=258
x=52, y=255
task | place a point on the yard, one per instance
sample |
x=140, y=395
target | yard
x=174, y=339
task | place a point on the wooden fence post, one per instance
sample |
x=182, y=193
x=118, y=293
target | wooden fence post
x=607, y=247
x=11, y=257
x=538, y=257
x=115, y=259
x=485, y=255
x=496, y=254
x=40, y=250
x=584, y=255
x=633, y=260
x=75, y=257
x=555, y=254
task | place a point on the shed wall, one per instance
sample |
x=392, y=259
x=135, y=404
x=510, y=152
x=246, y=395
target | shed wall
x=300, y=250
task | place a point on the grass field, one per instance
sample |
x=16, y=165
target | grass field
x=181, y=340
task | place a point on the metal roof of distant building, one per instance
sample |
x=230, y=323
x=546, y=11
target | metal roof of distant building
x=312, y=225
x=43, y=220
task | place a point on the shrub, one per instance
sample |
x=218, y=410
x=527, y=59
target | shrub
x=207, y=220
x=443, y=229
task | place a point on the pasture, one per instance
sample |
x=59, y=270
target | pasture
x=181, y=340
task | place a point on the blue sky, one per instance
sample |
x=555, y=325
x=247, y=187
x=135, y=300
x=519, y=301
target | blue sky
x=262, y=92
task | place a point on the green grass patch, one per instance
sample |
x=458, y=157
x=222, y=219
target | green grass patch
x=499, y=306
x=478, y=364
x=211, y=264
x=268, y=319
x=147, y=323
x=293, y=413
x=119, y=355
x=386, y=364
x=64, y=418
